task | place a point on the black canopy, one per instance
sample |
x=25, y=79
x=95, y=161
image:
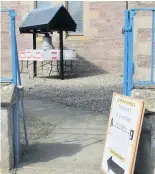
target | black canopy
x=56, y=18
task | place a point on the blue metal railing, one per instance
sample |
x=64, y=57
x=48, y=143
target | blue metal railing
x=16, y=80
x=152, y=46
x=128, y=83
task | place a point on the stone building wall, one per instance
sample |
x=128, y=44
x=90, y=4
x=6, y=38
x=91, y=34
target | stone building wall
x=99, y=49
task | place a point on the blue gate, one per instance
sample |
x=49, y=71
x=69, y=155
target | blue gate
x=128, y=29
x=16, y=81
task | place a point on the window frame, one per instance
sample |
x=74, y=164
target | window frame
x=68, y=34
x=35, y=4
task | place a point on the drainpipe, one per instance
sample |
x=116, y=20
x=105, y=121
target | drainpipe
x=127, y=5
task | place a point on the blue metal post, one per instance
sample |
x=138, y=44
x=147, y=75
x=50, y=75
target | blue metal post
x=125, y=83
x=14, y=70
x=22, y=102
x=17, y=64
x=130, y=53
x=16, y=81
x=129, y=80
x=152, y=47
x=12, y=15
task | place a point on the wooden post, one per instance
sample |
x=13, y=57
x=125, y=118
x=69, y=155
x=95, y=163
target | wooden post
x=61, y=55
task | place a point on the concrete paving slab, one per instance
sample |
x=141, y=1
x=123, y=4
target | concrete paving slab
x=36, y=171
x=74, y=145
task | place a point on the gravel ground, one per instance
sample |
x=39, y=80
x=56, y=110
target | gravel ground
x=93, y=93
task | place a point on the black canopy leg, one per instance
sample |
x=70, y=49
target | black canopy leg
x=61, y=55
x=34, y=62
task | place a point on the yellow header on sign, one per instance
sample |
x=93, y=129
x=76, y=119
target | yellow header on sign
x=117, y=155
x=126, y=102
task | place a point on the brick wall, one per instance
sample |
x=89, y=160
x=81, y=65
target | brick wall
x=22, y=8
x=142, y=40
x=143, y=34
x=101, y=47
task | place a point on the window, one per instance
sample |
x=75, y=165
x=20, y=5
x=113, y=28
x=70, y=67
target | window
x=75, y=8
x=43, y=4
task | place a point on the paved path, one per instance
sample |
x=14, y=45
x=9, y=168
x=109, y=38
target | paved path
x=63, y=140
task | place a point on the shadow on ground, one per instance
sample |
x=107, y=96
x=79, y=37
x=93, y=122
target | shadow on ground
x=85, y=68
x=81, y=68
x=44, y=152
x=37, y=128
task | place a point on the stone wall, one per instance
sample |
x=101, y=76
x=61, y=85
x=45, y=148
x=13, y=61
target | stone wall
x=145, y=162
x=142, y=40
x=6, y=124
x=23, y=41
x=6, y=135
x=8, y=99
x=99, y=49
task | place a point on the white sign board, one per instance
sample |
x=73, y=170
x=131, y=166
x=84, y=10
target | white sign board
x=123, y=134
